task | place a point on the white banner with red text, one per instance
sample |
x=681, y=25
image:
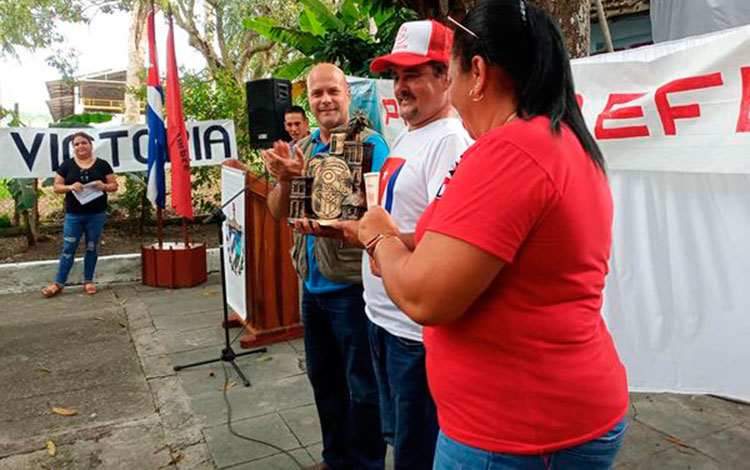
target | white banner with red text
x=678, y=106
x=38, y=152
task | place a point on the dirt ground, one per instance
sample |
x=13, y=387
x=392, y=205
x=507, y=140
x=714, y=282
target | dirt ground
x=118, y=237
x=114, y=241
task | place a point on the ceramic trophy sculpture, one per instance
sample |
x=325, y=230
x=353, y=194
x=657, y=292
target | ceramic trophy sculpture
x=332, y=186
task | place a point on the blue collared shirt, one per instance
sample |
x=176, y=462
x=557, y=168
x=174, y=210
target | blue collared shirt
x=316, y=283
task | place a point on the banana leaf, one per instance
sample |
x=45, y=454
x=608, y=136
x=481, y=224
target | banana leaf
x=306, y=43
x=23, y=193
x=294, y=69
x=324, y=14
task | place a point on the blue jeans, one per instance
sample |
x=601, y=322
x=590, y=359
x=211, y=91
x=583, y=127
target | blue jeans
x=407, y=412
x=340, y=370
x=75, y=226
x=597, y=454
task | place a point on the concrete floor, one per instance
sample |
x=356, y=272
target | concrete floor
x=110, y=358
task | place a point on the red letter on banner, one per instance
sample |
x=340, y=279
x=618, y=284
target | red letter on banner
x=627, y=112
x=743, y=123
x=391, y=109
x=669, y=113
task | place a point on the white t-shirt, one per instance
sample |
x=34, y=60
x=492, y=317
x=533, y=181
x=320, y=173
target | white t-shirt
x=409, y=181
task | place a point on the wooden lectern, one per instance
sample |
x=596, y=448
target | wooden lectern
x=273, y=298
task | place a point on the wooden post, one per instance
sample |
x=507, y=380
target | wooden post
x=185, y=233
x=159, y=226
x=604, y=26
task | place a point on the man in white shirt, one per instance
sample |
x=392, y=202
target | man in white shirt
x=410, y=177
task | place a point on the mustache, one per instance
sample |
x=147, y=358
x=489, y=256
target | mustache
x=405, y=95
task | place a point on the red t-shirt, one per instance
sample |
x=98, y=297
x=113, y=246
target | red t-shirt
x=530, y=367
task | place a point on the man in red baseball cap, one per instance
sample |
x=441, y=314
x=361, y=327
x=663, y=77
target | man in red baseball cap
x=410, y=178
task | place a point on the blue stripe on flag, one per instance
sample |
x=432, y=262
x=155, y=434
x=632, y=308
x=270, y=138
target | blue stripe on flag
x=157, y=148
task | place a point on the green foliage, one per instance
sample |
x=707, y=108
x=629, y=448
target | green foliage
x=4, y=191
x=23, y=193
x=131, y=200
x=87, y=118
x=32, y=24
x=5, y=221
x=21, y=190
x=303, y=41
x=294, y=68
x=215, y=96
x=65, y=61
x=341, y=37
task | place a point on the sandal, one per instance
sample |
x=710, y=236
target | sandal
x=89, y=288
x=52, y=290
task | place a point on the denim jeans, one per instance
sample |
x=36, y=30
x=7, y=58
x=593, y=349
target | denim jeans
x=339, y=366
x=597, y=454
x=407, y=412
x=75, y=226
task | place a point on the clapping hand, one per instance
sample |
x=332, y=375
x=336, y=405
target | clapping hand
x=280, y=162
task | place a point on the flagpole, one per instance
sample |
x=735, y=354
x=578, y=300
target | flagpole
x=186, y=233
x=159, y=226
x=159, y=218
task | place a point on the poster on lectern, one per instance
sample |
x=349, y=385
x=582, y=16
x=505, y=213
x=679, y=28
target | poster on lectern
x=234, y=238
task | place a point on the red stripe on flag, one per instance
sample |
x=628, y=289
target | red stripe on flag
x=179, y=156
x=153, y=64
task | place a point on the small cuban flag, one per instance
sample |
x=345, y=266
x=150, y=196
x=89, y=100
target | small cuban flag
x=157, y=135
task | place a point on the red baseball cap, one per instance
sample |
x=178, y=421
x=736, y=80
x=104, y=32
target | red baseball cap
x=417, y=42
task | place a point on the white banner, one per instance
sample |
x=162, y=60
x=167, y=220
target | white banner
x=677, y=300
x=677, y=19
x=38, y=152
x=234, y=239
x=682, y=106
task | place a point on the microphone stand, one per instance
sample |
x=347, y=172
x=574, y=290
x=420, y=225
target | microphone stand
x=227, y=353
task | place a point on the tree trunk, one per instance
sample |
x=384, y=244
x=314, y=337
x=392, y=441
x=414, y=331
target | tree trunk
x=31, y=220
x=574, y=18
x=136, y=46
x=137, y=40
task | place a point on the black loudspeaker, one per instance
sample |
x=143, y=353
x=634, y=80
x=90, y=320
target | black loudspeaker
x=267, y=99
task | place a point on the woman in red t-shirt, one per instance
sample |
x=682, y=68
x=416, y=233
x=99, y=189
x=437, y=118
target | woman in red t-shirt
x=511, y=259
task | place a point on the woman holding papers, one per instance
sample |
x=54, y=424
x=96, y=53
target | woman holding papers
x=85, y=180
x=511, y=257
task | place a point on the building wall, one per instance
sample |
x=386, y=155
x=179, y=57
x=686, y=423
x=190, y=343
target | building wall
x=627, y=32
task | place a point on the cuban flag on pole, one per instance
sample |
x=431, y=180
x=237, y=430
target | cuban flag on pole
x=157, y=135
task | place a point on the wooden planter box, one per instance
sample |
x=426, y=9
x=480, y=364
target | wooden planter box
x=173, y=265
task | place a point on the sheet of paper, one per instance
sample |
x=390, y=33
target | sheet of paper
x=88, y=194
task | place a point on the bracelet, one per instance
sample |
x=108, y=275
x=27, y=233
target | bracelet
x=373, y=243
